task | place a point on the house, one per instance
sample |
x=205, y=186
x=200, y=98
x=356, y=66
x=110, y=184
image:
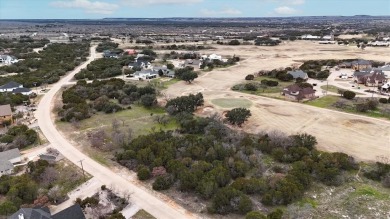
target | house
x=23, y=90
x=130, y=52
x=310, y=37
x=10, y=86
x=109, y=54
x=145, y=74
x=214, y=57
x=7, y=59
x=295, y=92
x=196, y=63
x=166, y=72
x=361, y=64
x=73, y=212
x=370, y=78
x=139, y=64
x=298, y=74
x=386, y=87
x=385, y=69
x=8, y=159
x=345, y=65
x=5, y=114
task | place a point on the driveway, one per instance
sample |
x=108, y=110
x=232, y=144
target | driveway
x=144, y=198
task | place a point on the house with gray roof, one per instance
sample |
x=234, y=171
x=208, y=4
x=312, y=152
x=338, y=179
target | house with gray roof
x=10, y=86
x=73, y=212
x=361, y=64
x=298, y=74
x=8, y=159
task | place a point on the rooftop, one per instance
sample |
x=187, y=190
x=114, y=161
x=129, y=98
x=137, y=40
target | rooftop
x=5, y=110
x=10, y=154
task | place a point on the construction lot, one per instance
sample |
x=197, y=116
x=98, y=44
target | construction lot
x=362, y=137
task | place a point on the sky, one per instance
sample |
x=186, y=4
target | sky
x=95, y=9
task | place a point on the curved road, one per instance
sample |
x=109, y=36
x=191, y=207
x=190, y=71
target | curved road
x=141, y=197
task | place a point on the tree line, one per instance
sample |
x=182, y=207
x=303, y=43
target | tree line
x=84, y=99
x=47, y=66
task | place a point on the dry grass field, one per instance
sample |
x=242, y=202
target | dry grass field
x=362, y=137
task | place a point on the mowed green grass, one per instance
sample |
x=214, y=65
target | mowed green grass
x=232, y=102
x=324, y=102
x=335, y=89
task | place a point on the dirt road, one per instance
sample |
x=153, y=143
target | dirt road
x=362, y=137
x=140, y=196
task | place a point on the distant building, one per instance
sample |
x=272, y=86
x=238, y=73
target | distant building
x=370, y=78
x=8, y=59
x=145, y=74
x=298, y=74
x=360, y=64
x=195, y=63
x=5, y=114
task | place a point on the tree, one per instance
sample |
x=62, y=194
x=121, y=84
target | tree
x=229, y=200
x=143, y=173
x=148, y=100
x=189, y=76
x=250, y=87
x=238, y=116
x=249, y=77
x=170, y=66
x=234, y=43
x=349, y=94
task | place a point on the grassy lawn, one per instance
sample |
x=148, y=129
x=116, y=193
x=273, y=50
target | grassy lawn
x=232, y=102
x=277, y=89
x=142, y=214
x=138, y=120
x=328, y=101
x=335, y=89
x=324, y=102
x=164, y=83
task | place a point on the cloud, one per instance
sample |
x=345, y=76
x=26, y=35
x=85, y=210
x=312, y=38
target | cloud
x=93, y=7
x=286, y=2
x=224, y=12
x=159, y=2
x=285, y=10
x=296, y=2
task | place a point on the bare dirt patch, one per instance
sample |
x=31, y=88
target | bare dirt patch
x=365, y=140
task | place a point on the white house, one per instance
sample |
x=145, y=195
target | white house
x=7, y=59
x=145, y=74
x=8, y=159
x=215, y=57
x=15, y=88
x=10, y=86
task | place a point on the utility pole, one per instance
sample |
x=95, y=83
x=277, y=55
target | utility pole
x=81, y=162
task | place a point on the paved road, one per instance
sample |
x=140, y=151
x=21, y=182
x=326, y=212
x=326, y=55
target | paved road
x=140, y=196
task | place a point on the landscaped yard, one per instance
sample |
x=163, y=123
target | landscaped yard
x=232, y=103
x=324, y=102
x=334, y=89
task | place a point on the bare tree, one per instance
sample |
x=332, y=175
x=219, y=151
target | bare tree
x=97, y=138
x=48, y=176
x=56, y=193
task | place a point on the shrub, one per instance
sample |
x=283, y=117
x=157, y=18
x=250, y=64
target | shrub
x=349, y=94
x=103, y=187
x=238, y=116
x=234, y=43
x=143, y=173
x=383, y=100
x=250, y=87
x=163, y=183
x=255, y=215
x=249, y=77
